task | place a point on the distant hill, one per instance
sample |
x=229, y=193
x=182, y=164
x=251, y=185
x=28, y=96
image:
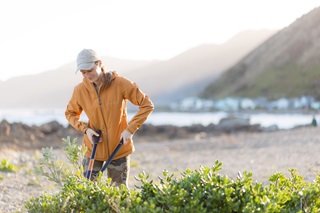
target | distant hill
x=184, y=75
x=52, y=89
x=286, y=65
x=190, y=72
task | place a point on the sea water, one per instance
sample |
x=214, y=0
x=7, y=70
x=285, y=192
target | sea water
x=41, y=116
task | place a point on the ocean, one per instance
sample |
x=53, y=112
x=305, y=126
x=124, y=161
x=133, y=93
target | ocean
x=283, y=121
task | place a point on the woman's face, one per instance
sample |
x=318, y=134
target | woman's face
x=93, y=74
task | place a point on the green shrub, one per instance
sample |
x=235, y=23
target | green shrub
x=5, y=166
x=57, y=170
x=201, y=190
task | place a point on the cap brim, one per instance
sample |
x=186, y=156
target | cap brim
x=85, y=66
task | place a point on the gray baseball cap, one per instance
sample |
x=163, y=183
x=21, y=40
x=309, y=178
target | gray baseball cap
x=86, y=59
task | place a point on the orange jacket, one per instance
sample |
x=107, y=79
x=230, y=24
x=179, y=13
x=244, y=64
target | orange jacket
x=107, y=111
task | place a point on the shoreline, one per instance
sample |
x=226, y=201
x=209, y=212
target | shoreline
x=37, y=117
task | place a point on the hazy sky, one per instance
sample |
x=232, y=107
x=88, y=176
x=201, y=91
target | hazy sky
x=40, y=35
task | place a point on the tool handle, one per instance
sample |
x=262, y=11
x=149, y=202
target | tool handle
x=104, y=167
x=96, y=140
x=91, y=162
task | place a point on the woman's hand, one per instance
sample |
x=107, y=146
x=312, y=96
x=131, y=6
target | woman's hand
x=90, y=133
x=126, y=135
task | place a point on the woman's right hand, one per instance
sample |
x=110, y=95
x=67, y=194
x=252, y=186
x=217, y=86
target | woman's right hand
x=90, y=133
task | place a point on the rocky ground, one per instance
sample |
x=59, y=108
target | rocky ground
x=262, y=153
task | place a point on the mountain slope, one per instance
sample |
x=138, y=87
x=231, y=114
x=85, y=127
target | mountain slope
x=188, y=73
x=286, y=65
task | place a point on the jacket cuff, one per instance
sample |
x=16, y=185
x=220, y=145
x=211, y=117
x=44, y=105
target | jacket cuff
x=131, y=130
x=83, y=127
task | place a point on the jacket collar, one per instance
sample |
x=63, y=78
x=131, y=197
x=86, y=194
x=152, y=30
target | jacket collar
x=90, y=86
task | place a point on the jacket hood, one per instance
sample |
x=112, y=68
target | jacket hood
x=88, y=84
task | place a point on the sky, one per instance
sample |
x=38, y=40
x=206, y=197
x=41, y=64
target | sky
x=41, y=35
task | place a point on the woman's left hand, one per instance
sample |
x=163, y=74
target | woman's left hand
x=126, y=135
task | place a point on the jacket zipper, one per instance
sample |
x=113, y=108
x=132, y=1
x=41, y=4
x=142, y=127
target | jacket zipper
x=97, y=91
x=104, y=121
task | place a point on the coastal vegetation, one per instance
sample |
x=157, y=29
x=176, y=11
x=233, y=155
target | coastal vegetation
x=201, y=190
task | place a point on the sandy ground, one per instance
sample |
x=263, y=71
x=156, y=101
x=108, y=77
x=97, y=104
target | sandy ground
x=263, y=154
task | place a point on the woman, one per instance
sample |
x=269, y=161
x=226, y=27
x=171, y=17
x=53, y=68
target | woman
x=103, y=97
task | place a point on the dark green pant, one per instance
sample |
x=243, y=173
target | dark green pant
x=118, y=170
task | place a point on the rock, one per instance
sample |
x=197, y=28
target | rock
x=20, y=135
x=51, y=133
x=164, y=131
x=51, y=127
x=271, y=128
x=232, y=124
x=5, y=128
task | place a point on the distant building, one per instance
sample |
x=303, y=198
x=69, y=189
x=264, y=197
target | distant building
x=195, y=104
x=227, y=104
x=234, y=104
x=283, y=103
x=315, y=105
x=189, y=103
x=247, y=103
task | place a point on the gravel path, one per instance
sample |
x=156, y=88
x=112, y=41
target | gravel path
x=263, y=154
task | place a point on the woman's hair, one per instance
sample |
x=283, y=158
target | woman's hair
x=107, y=77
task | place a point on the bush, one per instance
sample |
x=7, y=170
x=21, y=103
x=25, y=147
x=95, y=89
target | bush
x=202, y=190
x=5, y=166
x=56, y=170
